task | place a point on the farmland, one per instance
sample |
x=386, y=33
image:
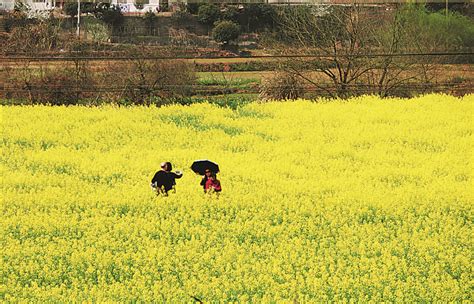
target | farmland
x=366, y=199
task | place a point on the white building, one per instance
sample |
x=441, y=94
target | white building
x=127, y=6
x=6, y=4
x=133, y=6
x=34, y=5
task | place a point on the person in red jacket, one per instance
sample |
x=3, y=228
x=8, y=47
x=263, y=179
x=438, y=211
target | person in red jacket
x=210, y=182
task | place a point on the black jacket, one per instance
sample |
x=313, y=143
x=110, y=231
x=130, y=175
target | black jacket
x=165, y=179
x=203, y=182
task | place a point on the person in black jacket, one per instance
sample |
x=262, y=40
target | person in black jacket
x=164, y=180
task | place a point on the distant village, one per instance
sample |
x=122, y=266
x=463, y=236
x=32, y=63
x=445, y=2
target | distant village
x=142, y=6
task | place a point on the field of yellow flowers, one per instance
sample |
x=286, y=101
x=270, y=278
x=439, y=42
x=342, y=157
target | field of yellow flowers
x=363, y=200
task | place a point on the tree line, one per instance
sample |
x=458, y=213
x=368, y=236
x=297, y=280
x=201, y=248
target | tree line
x=340, y=34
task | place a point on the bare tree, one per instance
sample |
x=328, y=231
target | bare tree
x=338, y=33
x=396, y=74
x=143, y=81
x=347, y=39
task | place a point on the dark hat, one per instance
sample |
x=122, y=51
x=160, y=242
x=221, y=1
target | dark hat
x=166, y=164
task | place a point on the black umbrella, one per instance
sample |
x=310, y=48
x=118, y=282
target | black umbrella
x=200, y=166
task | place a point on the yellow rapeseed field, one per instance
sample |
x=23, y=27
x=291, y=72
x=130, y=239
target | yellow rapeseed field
x=364, y=200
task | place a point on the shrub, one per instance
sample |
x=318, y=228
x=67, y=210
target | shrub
x=139, y=4
x=164, y=7
x=55, y=86
x=256, y=16
x=182, y=37
x=208, y=14
x=231, y=13
x=145, y=82
x=70, y=9
x=226, y=31
x=180, y=17
x=3, y=41
x=281, y=86
x=17, y=18
x=193, y=8
x=99, y=32
x=110, y=14
x=150, y=20
x=43, y=36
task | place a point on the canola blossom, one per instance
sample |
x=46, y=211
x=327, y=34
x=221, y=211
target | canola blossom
x=364, y=200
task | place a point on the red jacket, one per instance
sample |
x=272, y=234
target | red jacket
x=216, y=184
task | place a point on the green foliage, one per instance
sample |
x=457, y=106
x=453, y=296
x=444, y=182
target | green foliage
x=231, y=13
x=436, y=30
x=232, y=101
x=98, y=31
x=88, y=7
x=208, y=14
x=226, y=31
x=139, y=4
x=164, y=7
x=110, y=14
x=457, y=29
x=70, y=9
x=181, y=17
x=245, y=66
x=193, y=8
x=257, y=16
x=239, y=83
x=150, y=19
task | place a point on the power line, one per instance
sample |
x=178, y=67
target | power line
x=121, y=58
x=223, y=86
x=203, y=89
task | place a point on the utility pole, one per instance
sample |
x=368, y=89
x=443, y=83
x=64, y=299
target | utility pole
x=78, y=31
x=447, y=8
